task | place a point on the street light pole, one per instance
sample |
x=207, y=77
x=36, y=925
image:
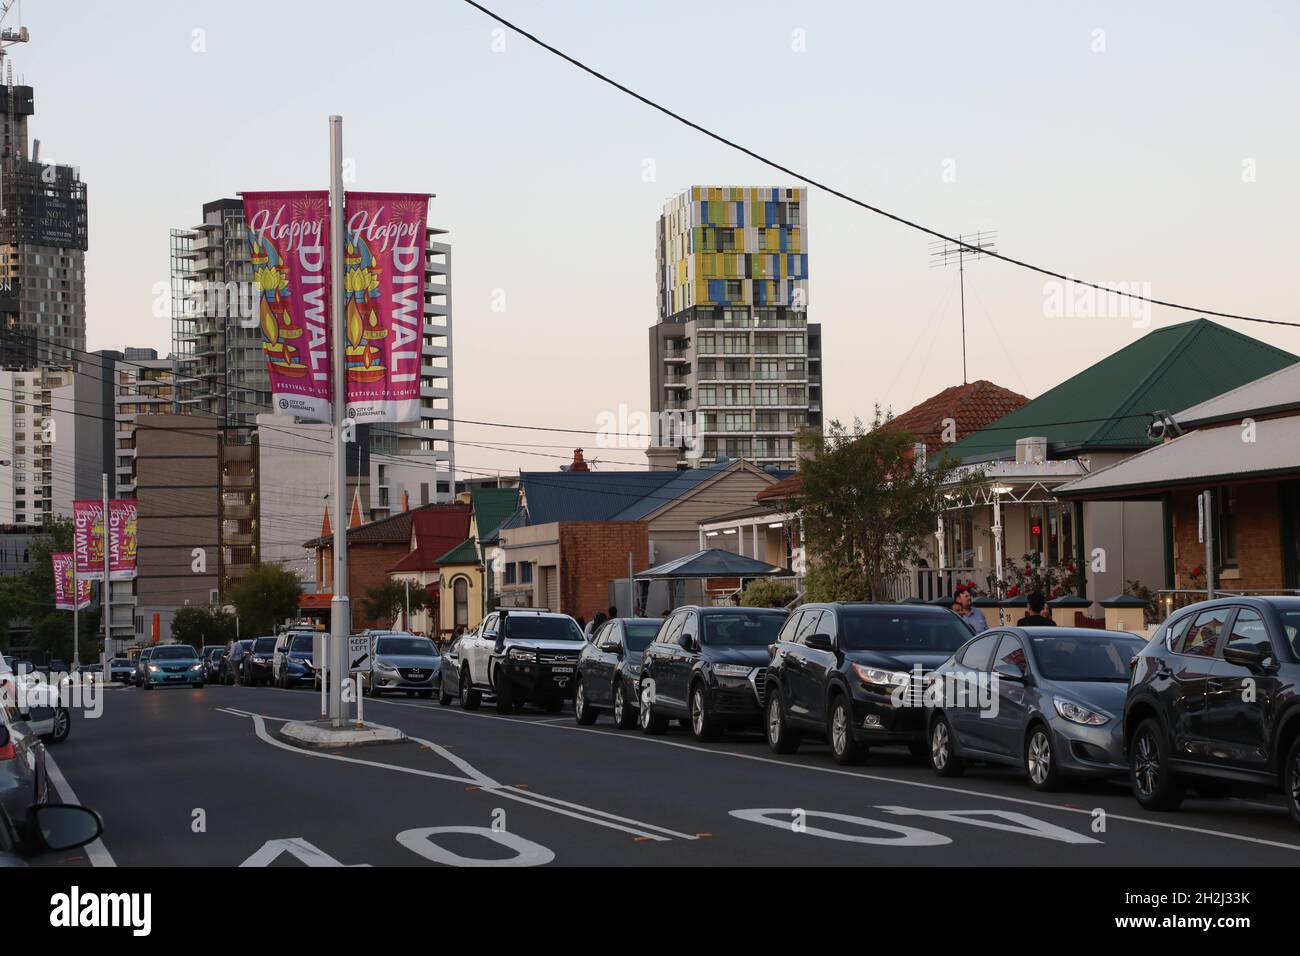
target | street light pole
x=340, y=608
x=107, y=602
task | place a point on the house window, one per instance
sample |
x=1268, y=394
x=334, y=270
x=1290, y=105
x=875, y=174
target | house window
x=460, y=596
x=510, y=573
x=525, y=572
x=1225, y=531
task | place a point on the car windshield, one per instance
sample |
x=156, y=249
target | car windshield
x=302, y=642
x=524, y=627
x=639, y=634
x=740, y=629
x=264, y=645
x=174, y=652
x=214, y=651
x=900, y=631
x=1100, y=658
x=408, y=646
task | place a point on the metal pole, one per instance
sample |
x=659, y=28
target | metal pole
x=407, y=582
x=340, y=608
x=108, y=597
x=631, y=587
x=76, y=637
x=1207, y=497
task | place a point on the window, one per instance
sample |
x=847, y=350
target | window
x=1011, y=651
x=672, y=630
x=1176, y=631
x=791, y=627
x=809, y=625
x=978, y=652
x=510, y=573
x=460, y=592
x=525, y=572
x=1202, y=639
x=1248, y=630
x=1225, y=530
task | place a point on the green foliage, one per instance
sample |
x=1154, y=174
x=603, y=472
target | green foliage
x=765, y=592
x=266, y=596
x=834, y=581
x=199, y=624
x=31, y=596
x=867, y=507
x=385, y=600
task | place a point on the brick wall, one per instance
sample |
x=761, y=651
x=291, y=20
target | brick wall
x=368, y=565
x=592, y=553
x=1259, y=538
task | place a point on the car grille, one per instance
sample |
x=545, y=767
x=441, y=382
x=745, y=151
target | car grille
x=759, y=680
x=544, y=658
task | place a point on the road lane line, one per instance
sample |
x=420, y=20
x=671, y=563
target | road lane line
x=521, y=797
x=613, y=816
x=96, y=852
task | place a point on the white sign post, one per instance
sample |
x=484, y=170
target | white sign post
x=358, y=661
x=320, y=661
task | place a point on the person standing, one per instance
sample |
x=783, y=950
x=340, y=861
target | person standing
x=961, y=606
x=1036, y=617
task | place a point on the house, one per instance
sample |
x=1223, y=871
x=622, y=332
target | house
x=1093, y=420
x=466, y=580
x=1235, y=458
x=406, y=544
x=577, y=530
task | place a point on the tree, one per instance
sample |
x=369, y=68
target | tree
x=867, y=506
x=264, y=597
x=200, y=624
x=385, y=600
x=764, y=592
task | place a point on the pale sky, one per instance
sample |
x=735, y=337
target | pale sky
x=1162, y=149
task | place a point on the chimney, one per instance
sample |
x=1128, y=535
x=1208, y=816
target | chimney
x=578, y=463
x=1031, y=451
x=406, y=500
x=661, y=457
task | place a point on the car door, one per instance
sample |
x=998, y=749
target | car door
x=605, y=644
x=1240, y=699
x=1005, y=729
x=481, y=649
x=658, y=655
x=810, y=668
x=1185, y=687
x=787, y=659
x=964, y=691
x=682, y=661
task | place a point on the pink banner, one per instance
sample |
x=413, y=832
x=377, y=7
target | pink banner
x=64, y=581
x=88, y=538
x=384, y=289
x=288, y=241
x=123, y=517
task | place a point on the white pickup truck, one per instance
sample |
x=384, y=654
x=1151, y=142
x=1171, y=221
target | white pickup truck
x=520, y=655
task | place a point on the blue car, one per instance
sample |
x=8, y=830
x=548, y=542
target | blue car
x=172, y=664
x=1047, y=699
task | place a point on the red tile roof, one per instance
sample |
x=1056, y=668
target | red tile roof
x=970, y=406
x=437, y=531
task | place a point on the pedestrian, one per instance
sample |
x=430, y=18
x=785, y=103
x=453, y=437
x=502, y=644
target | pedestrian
x=612, y=612
x=962, y=608
x=1036, y=617
x=590, y=630
x=582, y=623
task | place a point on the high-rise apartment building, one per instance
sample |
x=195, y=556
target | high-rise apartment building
x=733, y=358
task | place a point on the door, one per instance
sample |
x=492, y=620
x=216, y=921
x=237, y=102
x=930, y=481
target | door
x=480, y=649
x=682, y=661
x=658, y=657
x=1240, y=699
x=811, y=668
x=1005, y=729
x=606, y=643
x=1184, y=689
x=965, y=690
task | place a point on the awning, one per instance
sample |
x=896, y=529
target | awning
x=711, y=563
x=1246, y=451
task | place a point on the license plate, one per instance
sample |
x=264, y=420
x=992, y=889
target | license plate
x=561, y=670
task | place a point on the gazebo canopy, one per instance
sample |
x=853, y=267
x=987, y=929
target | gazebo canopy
x=710, y=563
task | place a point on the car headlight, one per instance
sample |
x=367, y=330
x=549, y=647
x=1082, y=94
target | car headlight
x=1077, y=713
x=197, y=667
x=386, y=667
x=151, y=668
x=261, y=660
x=881, y=678
x=732, y=670
x=518, y=654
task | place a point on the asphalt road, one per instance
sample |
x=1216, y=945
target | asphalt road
x=200, y=778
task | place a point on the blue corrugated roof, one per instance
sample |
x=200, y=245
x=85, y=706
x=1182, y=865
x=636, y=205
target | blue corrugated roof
x=605, y=495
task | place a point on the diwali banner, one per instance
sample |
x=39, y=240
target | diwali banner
x=88, y=538
x=64, y=583
x=384, y=292
x=123, y=517
x=288, y=242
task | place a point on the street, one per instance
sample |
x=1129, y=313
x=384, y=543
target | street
x=200, y=778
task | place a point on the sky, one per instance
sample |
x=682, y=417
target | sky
x=1153, y=144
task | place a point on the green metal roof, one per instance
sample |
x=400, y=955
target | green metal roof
x=492, y=506
x=1109, y=405
x=464, y=553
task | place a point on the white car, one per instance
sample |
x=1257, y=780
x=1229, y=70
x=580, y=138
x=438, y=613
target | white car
x=38, y=703
x=521, y=655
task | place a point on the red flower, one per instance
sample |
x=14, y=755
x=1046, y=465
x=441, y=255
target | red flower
x=1070, y=568
x=1197, y=571
x=1013, y=591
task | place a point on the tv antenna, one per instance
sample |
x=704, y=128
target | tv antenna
x=969, y=247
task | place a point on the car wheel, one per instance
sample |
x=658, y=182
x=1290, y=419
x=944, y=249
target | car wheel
x=62, y=726
x=1291, y=780
x=704, y=725
x=650, y=722
x=583, y=713
x=943, y=754
x=839, y=731
x=469, y=697
x=505, y=690
x=1040, y=761
x=780, y=737
x=624, y=716
x=1154, y=785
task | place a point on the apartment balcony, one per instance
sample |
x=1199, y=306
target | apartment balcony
x=238, y=482
x=676, y=383
x=238, y=452
x=240, y=512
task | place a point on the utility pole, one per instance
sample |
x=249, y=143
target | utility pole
x=944, y=252
x=340, y=608
x=107, y=602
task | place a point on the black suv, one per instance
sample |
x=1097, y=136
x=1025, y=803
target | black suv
x=1213, y=702
x=851, y=672
x=706, y=667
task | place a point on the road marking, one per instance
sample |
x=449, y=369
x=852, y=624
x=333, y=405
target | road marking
x=1159, y=824
x=527, y=852
x=784, y=819
x=96, y=852
x=307, y=853
x=1008, y=821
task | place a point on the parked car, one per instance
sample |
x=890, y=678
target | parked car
x=1047, y=699
x=232, y=666
x=521, y=655
x=835, y=669
x=173, y=664
x=141, y=663
x=120, y=669
x=1214, y=702
x=292, y=659
x=256, y=664
x=53, y=827
x=706, y=666
x=449, y=672
x=23, y=781
x=402, y=661
x=211, y=655
x=608, y=669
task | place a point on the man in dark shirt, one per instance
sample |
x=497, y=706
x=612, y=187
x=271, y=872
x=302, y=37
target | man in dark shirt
x=1035, y=617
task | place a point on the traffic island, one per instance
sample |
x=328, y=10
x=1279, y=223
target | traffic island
x=323, y=735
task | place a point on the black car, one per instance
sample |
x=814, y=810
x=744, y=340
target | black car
x=293, y=660
x=852, y=673
x=211, y=655
x=706, y=666
x=608, y=668
x=232, y=665
x=256, y=666
x=141, y=662
x=1213, y=702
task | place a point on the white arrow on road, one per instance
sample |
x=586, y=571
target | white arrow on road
x=307, y=853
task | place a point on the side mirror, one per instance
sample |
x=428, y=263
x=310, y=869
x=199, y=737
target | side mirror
x=63, y=826
x=1005, y=670
x=819, y=642
x=613, y=647
x=687, y=642
x=1247, y=656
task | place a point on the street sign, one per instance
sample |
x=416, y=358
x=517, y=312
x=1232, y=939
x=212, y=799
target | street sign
x=358, y=653
x=318, y=652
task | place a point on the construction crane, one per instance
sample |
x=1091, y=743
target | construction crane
x=9, y=35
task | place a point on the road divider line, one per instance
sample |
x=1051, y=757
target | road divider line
x=96, y=852
x=521, y=797
x=613, y=816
